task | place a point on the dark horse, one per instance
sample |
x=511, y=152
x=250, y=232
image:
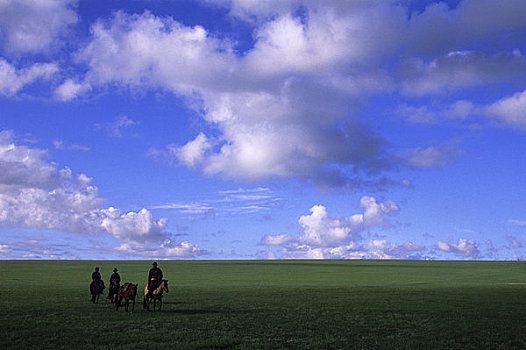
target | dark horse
x=113, y=290
x=157, y=295
x=96, y=288
x=128, y=291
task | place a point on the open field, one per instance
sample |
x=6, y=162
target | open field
x=269, y=305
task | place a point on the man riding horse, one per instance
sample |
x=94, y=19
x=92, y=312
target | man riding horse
x=155, y=277
x=115, y=283
x=97, y=285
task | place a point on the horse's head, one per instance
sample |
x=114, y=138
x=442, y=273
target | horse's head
x=165, y=285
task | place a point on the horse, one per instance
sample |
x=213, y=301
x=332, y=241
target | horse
x=128, y=291
x=113, y=290
x=157, y=295
x=96, y=288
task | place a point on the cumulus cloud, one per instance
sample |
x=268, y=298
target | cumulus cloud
x=70, y=89
x=12, y=80
x=252, y=114
x=36, y=193
x=193, y=152
x=510, y=110
x=326, y=237
x=32, y=26
x=464, y=248
x=319, y=230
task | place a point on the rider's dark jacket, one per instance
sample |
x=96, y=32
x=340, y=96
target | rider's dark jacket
x=115, y=278
x=95, y=276
x=154, y=277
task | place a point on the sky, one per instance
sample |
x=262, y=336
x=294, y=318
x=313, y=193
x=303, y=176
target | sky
x=277, y=129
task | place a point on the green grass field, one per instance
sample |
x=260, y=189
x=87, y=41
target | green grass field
x=292, y=304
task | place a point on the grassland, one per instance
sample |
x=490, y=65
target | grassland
x=270, y=305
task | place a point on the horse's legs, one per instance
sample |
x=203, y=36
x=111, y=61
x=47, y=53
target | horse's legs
x=160, y=304
x=133, y=306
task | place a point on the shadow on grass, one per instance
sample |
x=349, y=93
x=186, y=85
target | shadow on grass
x=189, y=311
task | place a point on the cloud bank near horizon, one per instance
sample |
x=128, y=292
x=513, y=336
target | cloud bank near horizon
x=35, y=193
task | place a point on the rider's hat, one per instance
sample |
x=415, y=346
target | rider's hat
x=115, y=270
x=154, y=263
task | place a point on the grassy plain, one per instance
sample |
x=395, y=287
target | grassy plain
x=291, y=304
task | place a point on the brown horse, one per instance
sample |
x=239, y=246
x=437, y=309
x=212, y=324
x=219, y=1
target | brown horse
x=96, y=288
x=157, y=295
x=128, y=291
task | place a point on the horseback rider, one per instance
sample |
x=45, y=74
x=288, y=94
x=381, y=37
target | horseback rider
x=97, y=285
x=115, y=278
x=155, y=276
x=95, y=276
x=115, y=282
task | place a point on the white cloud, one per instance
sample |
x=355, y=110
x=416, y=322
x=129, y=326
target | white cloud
x=375, y=249
x=374, y=211
x=273, y=240
x=165, y=251
x=145, y=50
x=32, y=26
x=251, y=113
x=36, y=193
x=464, y=248
x=382, y=249
x=4, y=249
x=319, y=230
x=70, y=89
x=193, y=152
x=429, y=157
x=460, y=109
x=510, y=110
x=59, y=144
x=328, y=237
x=134, y=227
x=12, y=80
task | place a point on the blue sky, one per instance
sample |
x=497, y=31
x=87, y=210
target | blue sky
x=236, y=129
